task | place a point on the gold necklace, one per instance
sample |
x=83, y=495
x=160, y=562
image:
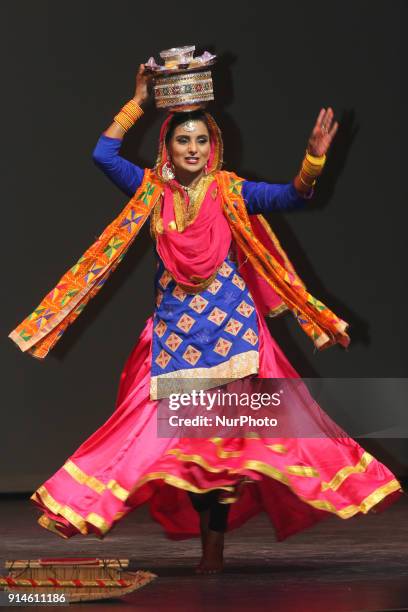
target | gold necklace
x=192, y=191
x=184, y=215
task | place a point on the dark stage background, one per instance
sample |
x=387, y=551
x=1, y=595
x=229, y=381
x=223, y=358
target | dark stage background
x=67, y=68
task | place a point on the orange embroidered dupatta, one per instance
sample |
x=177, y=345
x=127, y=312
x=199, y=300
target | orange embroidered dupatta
x=39, y=332
x=284, y=289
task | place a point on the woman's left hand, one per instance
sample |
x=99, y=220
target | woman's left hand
x=323, y=133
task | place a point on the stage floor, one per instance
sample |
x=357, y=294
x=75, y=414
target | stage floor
x=354, y=565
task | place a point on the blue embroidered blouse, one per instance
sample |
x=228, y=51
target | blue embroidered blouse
x=211, y=335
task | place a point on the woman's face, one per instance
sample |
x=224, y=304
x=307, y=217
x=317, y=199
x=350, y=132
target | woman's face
x=189, y=146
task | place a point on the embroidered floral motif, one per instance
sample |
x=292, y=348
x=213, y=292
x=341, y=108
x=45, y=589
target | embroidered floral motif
x=238, y=281
x=215, y=286
x=185, y=322
x=160, y=328
x=250, y=336
x=198, y=303
x=173, y=341
x=165, y=279
x=225, y=270
x=179, y=294
x=245, y=309
x=223, y=346
x=191, y=355
x=163, y=359
x=217, y=316
x=233, y=326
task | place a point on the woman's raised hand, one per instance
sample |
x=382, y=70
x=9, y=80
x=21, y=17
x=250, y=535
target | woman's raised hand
x=323, y=133
x=143, y=80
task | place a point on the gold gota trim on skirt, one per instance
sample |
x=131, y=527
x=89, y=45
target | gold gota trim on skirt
x=223, y=454
x=346, y=471
x=347, y=512
x=196, y=459
x=306, y=471
x=73, y=517
x=178, y=482
x=77, y=474
x=93, y=483
x=371, y=500
x=277, y=448
x=199, y=460
x=302, y=470
x=271, y=471
x=51, y=525
x=94, y=519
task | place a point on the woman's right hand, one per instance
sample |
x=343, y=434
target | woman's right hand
x=143, y=80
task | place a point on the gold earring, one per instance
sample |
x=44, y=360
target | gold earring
x=168, y=171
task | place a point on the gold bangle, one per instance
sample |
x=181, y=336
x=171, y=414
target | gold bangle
x=314, y=160
x=133, y=108
x=128, y=115
x=311, y=171
x=307, y=162
x=124, y=117
x=121, y=120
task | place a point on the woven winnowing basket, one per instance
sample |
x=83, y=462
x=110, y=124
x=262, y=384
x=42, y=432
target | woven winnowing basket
x=84, y=579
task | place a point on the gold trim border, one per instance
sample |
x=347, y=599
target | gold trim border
x=371, y=500
x=96, y=520
x=236, y=367
x=93, y=483
x=80, y=523
x=346, y=471
x=276, y=474
x=73, y=517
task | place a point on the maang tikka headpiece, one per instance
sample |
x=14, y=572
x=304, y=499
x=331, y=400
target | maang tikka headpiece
x=190, y=125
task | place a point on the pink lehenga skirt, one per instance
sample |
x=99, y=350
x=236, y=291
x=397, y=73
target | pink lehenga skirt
x=296, y=481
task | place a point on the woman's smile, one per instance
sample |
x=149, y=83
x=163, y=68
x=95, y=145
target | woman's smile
x=192, y=160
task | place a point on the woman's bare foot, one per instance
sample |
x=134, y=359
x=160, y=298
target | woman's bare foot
x=212, y=561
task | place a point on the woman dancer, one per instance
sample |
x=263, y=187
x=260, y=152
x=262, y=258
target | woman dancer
x=211, y=294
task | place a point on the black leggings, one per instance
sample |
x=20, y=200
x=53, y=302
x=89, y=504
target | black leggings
x=218, y=512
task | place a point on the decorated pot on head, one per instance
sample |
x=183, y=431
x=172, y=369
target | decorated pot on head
x=184, y=82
